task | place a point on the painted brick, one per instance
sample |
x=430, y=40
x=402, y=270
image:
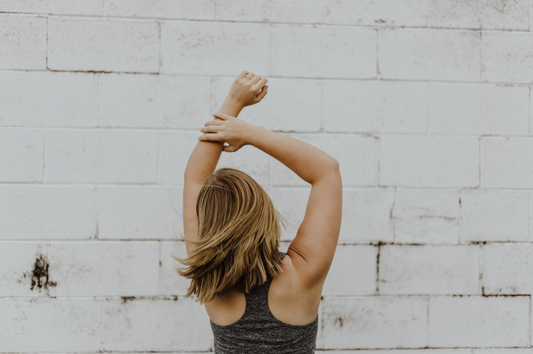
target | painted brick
x=376, y=12
x=429, y=270
x=357, y=156
x=22, y=42
x=47, y=212
x=508, y=57
x=270, y=11
x=154, y=101
x=182, y=9
x=170, y=282
x=478, y=109
x=139, y=212
x=374, y=322
x=494, y=216
x=428, y=54
x=202, y=48
x=482, y=14
x=353, y=271
x=164, y=325
x=96, y=45
x=290, y=105
x=429, y=161
x=55, y=325
x=506, y=162
x=48, y=99
x=375, y=106
x=63, y=7
x=101, y=156
x=478, y=321
x=426, y=216
x=79, y=268
x=291, y=204
x=21, y=155
x=366, y=215
x=506, y=269
x=340, y=52
x=248, y=159
x=365, y=212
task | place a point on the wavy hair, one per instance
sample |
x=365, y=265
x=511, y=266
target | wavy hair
x=238, y=237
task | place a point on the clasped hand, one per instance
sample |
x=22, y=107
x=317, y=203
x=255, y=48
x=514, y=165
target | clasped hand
x=247, y=89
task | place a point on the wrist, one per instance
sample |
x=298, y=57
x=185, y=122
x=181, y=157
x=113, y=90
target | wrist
x=231, y=107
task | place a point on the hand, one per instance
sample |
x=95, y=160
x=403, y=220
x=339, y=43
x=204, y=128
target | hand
x=248, y=89
x=227, y=129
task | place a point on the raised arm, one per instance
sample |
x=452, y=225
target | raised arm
x=313, y=248
x=247, y=89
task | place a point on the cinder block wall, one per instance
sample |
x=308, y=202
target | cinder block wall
x=425, y=103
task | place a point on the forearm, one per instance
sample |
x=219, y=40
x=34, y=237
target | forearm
x=308, y=162
x=204, y=158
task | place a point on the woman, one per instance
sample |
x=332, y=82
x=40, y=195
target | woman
x=259, y=300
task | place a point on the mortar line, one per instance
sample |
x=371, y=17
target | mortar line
x=428, y=92
x=159, y=266
x=377, y=268
x=98, y=101
x=47, y=46
x=282, y=77
x=160, y=25
x=159, y=163
x=44, y=156
x=102, y=326
x=529, y=109
x=482, y=73
x=239, y=22
x=270, y=49
x=529, y=217
x=481, y=262
x=378, y=73
x=322, y=104
x=529, y=324
x=428, y=4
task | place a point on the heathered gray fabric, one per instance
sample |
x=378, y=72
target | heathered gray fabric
x=259, y=332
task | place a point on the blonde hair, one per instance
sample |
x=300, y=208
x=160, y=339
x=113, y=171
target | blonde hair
x=238, y=237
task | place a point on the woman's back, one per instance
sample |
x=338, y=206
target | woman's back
x=263, y=325
x=233, y=235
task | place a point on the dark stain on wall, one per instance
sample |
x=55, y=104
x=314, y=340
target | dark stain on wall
x=40, y=276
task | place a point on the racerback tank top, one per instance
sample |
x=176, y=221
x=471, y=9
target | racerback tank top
x=259, y=332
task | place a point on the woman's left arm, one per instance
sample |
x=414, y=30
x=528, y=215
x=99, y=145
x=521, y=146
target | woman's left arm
x=203, y=161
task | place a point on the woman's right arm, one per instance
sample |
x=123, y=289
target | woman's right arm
x=313, y=248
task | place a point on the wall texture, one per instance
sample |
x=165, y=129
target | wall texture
x=425, y=103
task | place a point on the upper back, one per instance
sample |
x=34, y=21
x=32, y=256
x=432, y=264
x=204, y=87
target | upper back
x=274, y=317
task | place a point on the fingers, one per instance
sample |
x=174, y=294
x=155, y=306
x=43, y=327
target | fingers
x=229, y=148
x=210, y=137
x=260, y=83
x=241, y=75
x=222, y=116
x=210, y=129
x=255, y=80
x=213, y=122
x=250, y=76
x=262, y=94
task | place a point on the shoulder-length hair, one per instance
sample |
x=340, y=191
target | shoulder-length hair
x=238, y=237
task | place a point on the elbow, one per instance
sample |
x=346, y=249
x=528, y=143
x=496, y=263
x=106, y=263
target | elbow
x=335, y=166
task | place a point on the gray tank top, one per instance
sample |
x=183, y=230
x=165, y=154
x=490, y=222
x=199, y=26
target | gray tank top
x=259, y=332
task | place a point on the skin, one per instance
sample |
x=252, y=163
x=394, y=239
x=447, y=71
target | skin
x=295, y=293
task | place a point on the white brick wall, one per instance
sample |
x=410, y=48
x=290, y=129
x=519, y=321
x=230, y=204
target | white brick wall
x=426, y=104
